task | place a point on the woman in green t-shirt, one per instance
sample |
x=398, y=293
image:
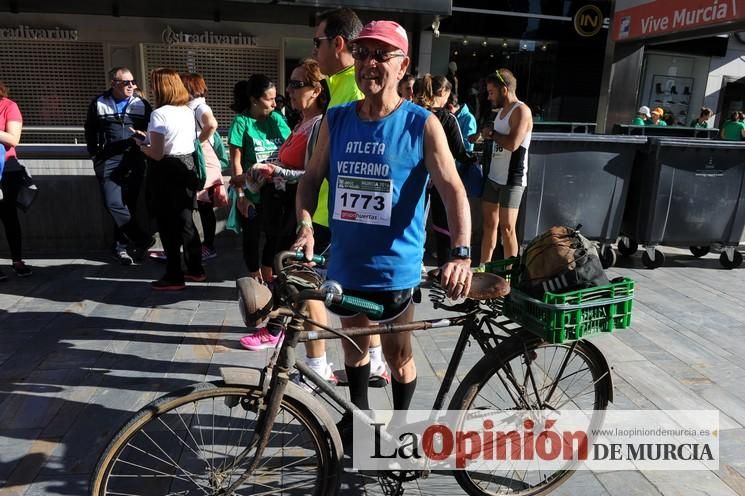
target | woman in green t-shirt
x=702, y=121
x=733, y=129
x=255, y=136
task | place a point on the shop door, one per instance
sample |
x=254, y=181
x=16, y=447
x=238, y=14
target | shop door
x=732, y=99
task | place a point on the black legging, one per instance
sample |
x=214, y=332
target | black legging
x=209, y=222
x=173, y=190
x=11, y=184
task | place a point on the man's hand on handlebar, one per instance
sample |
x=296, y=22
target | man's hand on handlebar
x=455, y=278
x=305, y=241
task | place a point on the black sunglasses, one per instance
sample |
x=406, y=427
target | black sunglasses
x=317, y=40
x=296, y=83
x=380, y=55
x=126, y=82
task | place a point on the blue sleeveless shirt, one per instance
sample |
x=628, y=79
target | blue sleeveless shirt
x=377, y=180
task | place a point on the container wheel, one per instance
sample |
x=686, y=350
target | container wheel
x=699, y=251
x=659, y=260
x=629, y=249
x=730, y=264
x=607, y=256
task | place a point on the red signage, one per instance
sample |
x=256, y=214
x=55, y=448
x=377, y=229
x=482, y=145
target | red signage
x=640, y=19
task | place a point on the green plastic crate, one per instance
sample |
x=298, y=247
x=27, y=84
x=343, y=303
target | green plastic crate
x=574, y=315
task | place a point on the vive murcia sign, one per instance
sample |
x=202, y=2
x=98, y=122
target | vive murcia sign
x=171, y=37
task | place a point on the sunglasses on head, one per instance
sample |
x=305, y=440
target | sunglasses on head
x=379, y=55
x=317, y=40
x=501, y=79
x=126, y=82
x=296, y=83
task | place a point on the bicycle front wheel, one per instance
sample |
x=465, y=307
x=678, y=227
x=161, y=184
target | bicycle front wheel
x=199, y=440
x=526, y=373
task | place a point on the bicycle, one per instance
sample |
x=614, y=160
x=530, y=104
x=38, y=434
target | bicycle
x=219, y=438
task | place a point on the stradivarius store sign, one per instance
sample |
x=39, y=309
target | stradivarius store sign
x=172, y=37
x=24, y=32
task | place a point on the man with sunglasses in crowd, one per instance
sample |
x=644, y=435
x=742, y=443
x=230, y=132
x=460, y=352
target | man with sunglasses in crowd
x=378, y=154
x=117, y=160
x=332, y=50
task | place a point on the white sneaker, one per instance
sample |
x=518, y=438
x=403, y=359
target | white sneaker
x=311, y=388
x=379, y=375
x=120, y=253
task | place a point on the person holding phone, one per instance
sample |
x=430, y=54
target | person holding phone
x=173, y=180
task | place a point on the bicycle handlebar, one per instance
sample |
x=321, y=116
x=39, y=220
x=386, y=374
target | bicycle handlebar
x=297, y=256
x=355, y=304
x=351, y=303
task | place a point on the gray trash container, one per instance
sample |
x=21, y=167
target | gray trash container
x=686, y=192
x=578, y=179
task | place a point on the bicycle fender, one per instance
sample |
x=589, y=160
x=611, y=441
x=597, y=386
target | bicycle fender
x=600, y=358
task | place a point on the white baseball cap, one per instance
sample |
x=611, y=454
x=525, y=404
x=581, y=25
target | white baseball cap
x=644, y=110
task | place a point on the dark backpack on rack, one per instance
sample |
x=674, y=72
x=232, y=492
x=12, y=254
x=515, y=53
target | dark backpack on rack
x=560, y=260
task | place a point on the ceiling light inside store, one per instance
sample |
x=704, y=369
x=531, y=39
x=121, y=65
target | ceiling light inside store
x=544, y=47
x=465, y=41
x=484, y=43
x=474, y=54
x=455, y=52
x=491, y=55
x=504, y=44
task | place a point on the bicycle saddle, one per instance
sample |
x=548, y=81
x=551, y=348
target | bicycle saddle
x=487, y=286
x=254, y=300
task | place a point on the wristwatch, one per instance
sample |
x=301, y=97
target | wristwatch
x=461, y=252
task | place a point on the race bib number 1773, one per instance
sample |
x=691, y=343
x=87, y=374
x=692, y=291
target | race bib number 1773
x=363, y=200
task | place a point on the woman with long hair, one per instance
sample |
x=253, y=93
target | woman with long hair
x=309, y=97
x=255, y=136
x=213, y=194
x=173, y=180
x=11, y=123
x=432, y=93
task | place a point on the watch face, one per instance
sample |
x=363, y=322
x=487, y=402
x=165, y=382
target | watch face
x=461, y=252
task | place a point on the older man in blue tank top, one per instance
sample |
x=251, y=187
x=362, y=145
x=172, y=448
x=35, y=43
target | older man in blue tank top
x=378, y=154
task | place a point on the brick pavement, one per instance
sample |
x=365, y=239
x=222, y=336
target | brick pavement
x=84, y=343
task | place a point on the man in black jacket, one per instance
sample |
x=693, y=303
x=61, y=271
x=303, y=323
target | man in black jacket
x=117, y=160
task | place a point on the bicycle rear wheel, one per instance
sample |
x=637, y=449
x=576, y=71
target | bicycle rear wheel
x=199, y=440
x=502, y=380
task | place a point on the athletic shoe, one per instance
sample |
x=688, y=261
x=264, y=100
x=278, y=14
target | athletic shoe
x=120, y=253
x=138, y=250
x=195, y=277
x=21, y=269
x=346, y=433
x=3, y=277
x=329, y=375
x=157, y=255
x=261, y=340
x=379, y=376
x=165, y=285
x=208, y=254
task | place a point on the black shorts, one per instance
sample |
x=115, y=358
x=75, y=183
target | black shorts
x=394, y=303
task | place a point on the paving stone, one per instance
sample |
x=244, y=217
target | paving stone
x=84, y=344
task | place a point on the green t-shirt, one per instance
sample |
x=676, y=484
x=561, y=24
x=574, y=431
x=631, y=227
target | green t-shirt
x=638, y=121
x=702, y=125
x=732, y=130
x=258, y=141
x=343, y=89
x=660, y=122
